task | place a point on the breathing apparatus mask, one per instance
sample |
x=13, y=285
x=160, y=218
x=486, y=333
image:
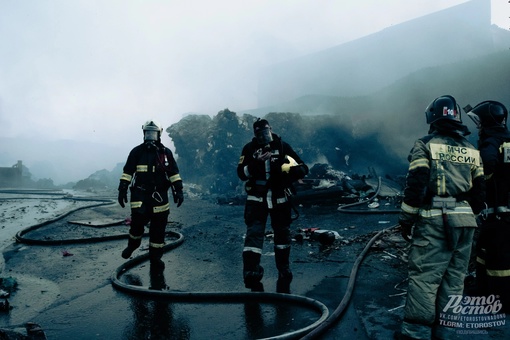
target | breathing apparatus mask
x=151, y=131
x=262, y=131
x=150, y=136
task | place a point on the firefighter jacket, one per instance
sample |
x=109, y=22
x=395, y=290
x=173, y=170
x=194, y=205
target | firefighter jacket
x=446, y=166
x=151, y=170
x=494, y=146
x=266, y=180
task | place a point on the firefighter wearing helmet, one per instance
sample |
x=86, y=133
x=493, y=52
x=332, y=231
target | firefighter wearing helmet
x=492, y=252
x=444, y=190
x=269, y=166
x=150, y=171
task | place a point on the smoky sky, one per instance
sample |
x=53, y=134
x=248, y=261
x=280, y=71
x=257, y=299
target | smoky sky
x=94, y=71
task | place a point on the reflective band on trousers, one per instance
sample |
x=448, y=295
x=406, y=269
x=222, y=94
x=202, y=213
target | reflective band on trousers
x=260, y=199
x=156, y=245
x=158, y=209
x=253, y=250
x=282, y=246
x=438, y=212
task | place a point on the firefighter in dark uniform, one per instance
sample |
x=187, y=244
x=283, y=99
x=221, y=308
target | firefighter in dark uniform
x=493, y=252
x=269, y=166
x=151, y=171
x=444, y=190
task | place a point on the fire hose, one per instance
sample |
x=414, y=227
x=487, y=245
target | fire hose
x=319, y=326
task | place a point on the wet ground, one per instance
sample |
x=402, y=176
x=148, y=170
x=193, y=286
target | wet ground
x=66, y=287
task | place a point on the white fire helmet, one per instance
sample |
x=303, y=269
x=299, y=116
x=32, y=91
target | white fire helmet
x=152, y=130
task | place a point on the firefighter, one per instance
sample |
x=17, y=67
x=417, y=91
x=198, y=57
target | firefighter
x=444, y=190
x=269, y=166
x=150, y=171
x=492, y=254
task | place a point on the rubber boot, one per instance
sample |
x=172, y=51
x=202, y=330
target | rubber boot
x=157, y=277
x=133, y=244
x=284, y=273
x=155, y=255
x=252, y=271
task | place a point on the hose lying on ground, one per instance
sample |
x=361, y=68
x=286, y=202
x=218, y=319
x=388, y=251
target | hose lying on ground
x=224, y=297
x=21, y=239
x=324, y=322
x=346, y=207
x=335, y=316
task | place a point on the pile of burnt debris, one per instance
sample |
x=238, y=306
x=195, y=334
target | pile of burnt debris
x=208, y=151
x=327, y=186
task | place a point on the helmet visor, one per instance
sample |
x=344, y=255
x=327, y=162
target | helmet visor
x=474, y=117
x=264, y=136
x=150, y=135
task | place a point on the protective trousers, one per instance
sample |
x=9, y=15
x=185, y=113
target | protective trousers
x=255, y=215
x=493, y=261
x=435, y=273
x=157, y=226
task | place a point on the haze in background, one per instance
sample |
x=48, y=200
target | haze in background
x=79, y=78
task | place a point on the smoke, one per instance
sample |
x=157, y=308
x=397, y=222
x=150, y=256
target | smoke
x=62, y=161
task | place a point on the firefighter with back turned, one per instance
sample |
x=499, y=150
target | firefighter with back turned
x=444, y=190
x=492, y=248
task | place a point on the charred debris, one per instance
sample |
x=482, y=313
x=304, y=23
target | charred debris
x=341, y=163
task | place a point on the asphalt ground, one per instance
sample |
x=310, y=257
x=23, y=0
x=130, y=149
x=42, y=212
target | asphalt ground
x=67, y=288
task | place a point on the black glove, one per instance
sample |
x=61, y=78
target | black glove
x=407, y=230
x=177, y=193
x=123, y=188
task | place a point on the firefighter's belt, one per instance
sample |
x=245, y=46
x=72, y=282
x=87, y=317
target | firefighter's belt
x=444, y=202
x=439, y=212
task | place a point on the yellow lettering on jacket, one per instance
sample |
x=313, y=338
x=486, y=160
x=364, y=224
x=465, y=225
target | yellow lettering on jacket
x=455, y=154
